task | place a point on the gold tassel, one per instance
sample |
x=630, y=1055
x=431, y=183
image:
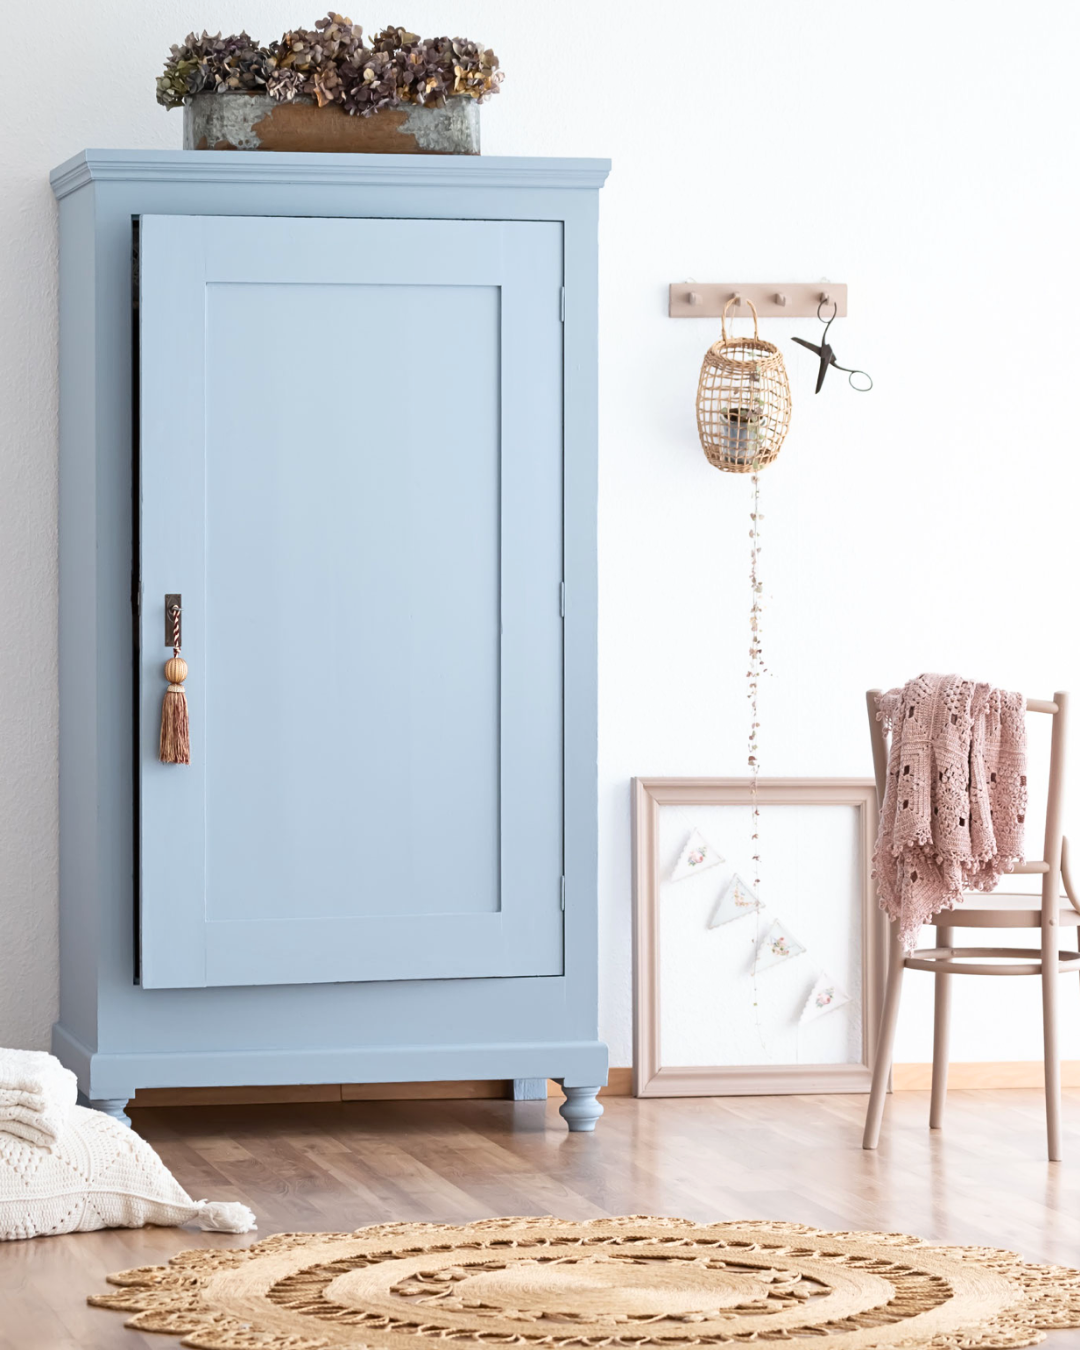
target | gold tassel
x=175, y=733
x=175, y=745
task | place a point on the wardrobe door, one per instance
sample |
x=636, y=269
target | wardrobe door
x=351, y=472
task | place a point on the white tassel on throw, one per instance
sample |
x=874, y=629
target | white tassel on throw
x=224, y=1216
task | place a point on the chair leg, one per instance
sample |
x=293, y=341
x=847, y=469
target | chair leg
x=1051, y=1062
x=883, y=1059
x=942, y=994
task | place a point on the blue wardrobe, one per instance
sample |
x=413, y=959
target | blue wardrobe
x=344, y=408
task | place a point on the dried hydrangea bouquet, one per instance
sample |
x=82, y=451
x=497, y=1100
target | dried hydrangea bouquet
x=320, y=88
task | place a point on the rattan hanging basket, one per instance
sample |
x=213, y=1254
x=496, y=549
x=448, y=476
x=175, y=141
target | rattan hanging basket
x=743, y=401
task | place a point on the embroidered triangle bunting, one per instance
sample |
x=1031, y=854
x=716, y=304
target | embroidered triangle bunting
x=698, y=856
x=736, y=899
x=778, y=946
x=825, y=997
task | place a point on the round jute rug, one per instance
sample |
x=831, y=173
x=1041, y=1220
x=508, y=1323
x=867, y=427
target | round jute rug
x=636, y=1282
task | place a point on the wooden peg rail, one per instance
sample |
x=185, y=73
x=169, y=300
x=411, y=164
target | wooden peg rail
x=772, y=299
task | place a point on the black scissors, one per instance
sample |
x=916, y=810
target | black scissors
x=827, y=357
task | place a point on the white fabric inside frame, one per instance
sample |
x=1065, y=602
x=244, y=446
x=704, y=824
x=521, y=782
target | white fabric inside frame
x=811, y=880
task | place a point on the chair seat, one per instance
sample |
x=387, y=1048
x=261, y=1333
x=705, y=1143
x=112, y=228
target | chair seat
x=1001, y=910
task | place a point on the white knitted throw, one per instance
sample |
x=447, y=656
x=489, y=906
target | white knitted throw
x=955, y=797
x=37, y=1095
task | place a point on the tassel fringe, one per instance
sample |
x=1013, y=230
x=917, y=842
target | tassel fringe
x=175, y=747
x=224, y=1216
x=175, y=732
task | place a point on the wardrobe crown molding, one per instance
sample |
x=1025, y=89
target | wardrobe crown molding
x=262, y=167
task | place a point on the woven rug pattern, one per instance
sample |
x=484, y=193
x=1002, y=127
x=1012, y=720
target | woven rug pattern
x=635, y=1282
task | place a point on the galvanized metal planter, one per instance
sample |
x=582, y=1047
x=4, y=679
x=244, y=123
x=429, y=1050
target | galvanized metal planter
x=256, y=122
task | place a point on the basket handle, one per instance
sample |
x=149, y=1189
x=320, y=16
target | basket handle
x=723, y=316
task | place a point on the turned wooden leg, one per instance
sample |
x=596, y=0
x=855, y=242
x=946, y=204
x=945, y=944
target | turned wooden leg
x=942, y=995
x=112, y=1106
x=581, y=1110
x=883, y=1059
x=1051, y=1062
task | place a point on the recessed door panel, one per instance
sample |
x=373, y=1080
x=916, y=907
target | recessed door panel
x=351, y=470
x=352, y=568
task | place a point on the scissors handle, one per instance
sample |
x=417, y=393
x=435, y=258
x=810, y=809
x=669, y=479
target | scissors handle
x=859, y=389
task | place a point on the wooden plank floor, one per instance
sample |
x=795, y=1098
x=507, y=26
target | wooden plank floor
x=337, y=1166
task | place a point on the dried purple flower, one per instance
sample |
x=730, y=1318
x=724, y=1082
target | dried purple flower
x=476, y=70
x=330, y=64
x=427, y=72
x=212, y=64
x=370, y=83
x=393, y=40
x=315, y=55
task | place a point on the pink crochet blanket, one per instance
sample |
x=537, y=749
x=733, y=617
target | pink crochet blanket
x=955, y=797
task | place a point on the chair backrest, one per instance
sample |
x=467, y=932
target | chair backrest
x=1049, y=865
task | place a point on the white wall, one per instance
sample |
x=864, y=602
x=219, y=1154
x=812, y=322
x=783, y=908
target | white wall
x=924, y=153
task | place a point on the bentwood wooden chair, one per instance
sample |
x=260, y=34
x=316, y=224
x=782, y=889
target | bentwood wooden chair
x=1048, y=912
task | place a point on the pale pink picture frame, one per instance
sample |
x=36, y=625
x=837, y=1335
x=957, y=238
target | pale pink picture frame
x=651, y=1077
